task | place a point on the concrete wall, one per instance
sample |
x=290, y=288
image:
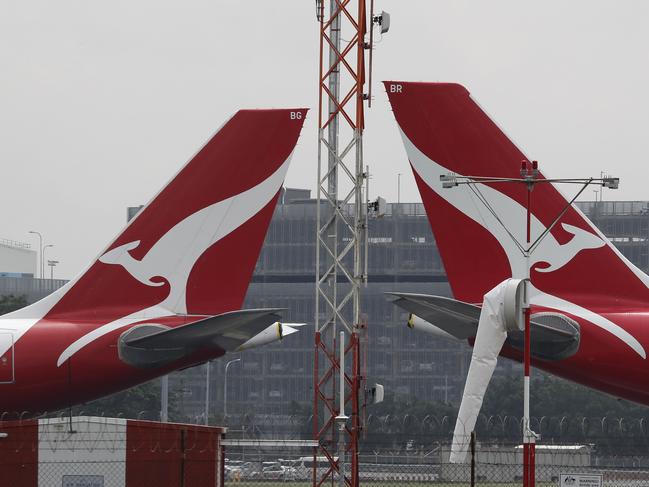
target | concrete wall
x=505, y=463
x=32, y=289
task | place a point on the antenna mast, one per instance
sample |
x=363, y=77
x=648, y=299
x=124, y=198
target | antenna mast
x=341, y=237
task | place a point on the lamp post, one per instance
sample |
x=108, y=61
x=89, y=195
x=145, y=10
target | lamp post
x=164, y=399
x=530, y=178
x=207, y=392
x=225, y=386
x=398, y=188
x=40, y=253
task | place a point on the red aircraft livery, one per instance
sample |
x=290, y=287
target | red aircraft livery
x=167, y=293
x=590, y=305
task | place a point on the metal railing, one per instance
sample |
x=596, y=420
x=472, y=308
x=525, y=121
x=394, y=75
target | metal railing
x=14, y=243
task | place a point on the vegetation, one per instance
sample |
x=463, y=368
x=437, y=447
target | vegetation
x=562, y=412
x=551, y=396
x=139, y=402
x=10, y=302
x=556, y=397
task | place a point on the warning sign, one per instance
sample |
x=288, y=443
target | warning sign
x=580, y=480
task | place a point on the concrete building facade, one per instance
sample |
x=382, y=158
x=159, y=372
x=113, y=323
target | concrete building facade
x=17, y=259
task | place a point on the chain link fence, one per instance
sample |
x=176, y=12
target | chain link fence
x=405, y=450
x=492, y=466
x=271, y=450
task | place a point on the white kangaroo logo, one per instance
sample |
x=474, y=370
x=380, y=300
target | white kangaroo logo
x=120, y=255
x=581, y=240
x=174, y=255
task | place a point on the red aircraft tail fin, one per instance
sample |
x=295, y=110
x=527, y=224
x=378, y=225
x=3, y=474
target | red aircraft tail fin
x=193, y=247
x=476, y=227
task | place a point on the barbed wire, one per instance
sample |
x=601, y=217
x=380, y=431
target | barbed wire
x=396, y=448
x=391, y=428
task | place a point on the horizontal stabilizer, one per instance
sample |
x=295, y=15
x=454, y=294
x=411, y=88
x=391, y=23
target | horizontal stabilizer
x=154, y=345
x=454, y=317
x=554, y=335
x=276, y=331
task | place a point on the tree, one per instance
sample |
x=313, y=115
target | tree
x=139, y=402
x=10, y=302
x=552, y=396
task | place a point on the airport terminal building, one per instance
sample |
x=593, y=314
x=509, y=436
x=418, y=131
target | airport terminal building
x=402, y=257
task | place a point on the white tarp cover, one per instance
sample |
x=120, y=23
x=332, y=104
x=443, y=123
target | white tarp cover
x=490, y=337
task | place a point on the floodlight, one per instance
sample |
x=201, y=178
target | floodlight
x=383, y=21
x=448, y=180
x=378, y=207
x=376, y=393
x=611, y=183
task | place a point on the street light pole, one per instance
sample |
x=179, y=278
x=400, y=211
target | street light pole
x=40, y=246
x=398, y=188
x=164, y=399
x=207, y=392
x=225, y=387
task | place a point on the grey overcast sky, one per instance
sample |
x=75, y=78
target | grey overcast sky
x=101, y=102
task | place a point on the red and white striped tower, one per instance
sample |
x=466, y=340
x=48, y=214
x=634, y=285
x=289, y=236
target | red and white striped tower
x=341, y=237
x=529, y=175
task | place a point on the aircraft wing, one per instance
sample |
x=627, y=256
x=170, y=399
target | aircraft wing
x=554, y=336
x=152, y=345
